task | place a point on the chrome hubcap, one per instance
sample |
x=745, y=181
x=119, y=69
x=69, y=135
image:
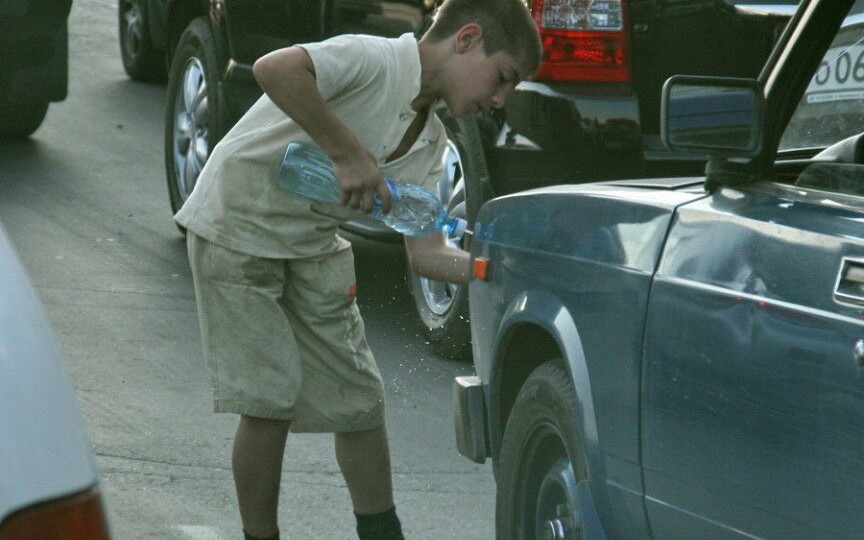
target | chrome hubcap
x=133, y=36
x=191, y=135
x=439, y=296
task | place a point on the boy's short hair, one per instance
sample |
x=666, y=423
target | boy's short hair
x=507, y=26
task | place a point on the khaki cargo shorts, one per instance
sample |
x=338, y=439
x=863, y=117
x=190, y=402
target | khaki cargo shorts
x=283, y=339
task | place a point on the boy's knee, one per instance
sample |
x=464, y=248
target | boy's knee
x=263, y=427
x=264, y=422
x=379, y=433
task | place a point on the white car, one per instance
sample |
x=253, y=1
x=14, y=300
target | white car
x=49, y=484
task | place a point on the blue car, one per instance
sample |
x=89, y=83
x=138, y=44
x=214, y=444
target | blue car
x=683, y=358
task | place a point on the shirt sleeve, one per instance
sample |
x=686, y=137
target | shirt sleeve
x=342, y=63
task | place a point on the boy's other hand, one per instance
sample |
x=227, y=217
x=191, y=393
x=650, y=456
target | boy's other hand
x=360, y=179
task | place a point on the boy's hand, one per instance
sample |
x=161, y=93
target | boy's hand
x=360, y=179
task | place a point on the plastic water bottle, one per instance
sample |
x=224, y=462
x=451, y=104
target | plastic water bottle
x=414, y=211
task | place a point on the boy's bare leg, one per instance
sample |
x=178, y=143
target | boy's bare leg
x=364, y=458
x=259, y=446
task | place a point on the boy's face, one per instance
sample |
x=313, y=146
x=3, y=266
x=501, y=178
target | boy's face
x=480, y=82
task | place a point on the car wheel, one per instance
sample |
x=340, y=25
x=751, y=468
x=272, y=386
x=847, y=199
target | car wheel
x=141, y=60
x=541, y=461
x=193, y=116
x=19, y=120
x=443, y=307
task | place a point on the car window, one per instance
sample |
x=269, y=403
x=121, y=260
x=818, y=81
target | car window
x=832, y=108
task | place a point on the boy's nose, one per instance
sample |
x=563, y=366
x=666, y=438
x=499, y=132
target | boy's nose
x=499, y=97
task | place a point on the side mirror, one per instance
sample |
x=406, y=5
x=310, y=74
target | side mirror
x=713, y=116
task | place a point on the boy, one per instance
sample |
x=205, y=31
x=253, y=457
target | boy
x=274, y=283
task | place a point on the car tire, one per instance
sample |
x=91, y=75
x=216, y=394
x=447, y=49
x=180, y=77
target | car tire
x=541, y=460
x=141, y=59
x=194, y=118
x=442, y=308
x=20, y=120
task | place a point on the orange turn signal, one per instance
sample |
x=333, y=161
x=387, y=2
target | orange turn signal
x=480, y=268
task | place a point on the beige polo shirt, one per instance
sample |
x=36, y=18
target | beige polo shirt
x=369, y=83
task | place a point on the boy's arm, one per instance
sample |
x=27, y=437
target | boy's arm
x=287, y=76
x=430, y=257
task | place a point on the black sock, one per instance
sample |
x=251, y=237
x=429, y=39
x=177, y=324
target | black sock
x=383, y=526
x=250, y=537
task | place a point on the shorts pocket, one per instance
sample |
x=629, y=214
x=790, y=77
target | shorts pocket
x=235, y=268
x=328, y=283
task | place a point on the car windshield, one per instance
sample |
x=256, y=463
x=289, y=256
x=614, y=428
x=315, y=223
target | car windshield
x=832, y=108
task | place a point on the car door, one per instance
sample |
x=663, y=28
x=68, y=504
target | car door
x=753, y=385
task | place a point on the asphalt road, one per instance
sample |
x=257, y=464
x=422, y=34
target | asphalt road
x=86, y=204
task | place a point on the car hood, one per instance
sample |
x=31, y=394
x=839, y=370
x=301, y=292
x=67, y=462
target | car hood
x=620, y=222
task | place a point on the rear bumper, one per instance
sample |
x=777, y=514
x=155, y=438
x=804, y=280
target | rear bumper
x=570, y=134
x=469, y=417
x=575, y=118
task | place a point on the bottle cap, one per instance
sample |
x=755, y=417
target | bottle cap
x=456, y=227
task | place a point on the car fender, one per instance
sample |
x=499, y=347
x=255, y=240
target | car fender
x=548, y=313
x=157, y=13
x=178, y=15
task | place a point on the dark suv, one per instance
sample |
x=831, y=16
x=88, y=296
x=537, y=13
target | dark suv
x=591, y=113
x=33, y=62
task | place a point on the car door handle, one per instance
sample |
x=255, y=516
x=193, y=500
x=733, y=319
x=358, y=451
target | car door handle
x=849, y=287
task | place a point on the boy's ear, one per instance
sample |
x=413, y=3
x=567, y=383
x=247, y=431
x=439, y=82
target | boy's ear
x=467, y=37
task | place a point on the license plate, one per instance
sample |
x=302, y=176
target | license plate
x=840, y=76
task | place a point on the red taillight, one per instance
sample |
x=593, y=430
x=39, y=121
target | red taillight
x=583, y=40
x=79, y=517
